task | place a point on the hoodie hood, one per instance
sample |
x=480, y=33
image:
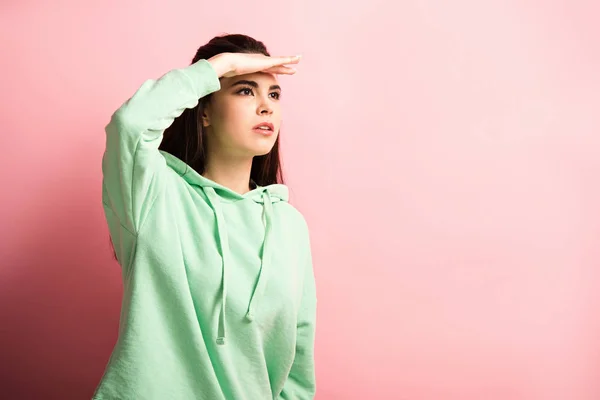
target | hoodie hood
x=217, y=194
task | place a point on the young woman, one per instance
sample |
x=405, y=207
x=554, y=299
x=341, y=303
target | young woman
x=219, y=292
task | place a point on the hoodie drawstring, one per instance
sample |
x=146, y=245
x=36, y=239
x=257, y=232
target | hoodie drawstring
x=265, y=258
x=215, y=204
x=222, y=236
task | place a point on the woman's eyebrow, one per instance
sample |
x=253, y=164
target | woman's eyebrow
x=253, y=84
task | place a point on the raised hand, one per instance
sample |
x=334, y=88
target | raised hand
x=232, y=64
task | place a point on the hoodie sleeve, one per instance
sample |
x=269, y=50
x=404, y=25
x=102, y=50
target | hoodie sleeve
x=301, y=382
x=132, y=164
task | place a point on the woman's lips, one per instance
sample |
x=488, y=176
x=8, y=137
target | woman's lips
x=264, y=128
x=264, y=132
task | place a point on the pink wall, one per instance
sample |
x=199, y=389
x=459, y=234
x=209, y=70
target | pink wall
x=444, y=153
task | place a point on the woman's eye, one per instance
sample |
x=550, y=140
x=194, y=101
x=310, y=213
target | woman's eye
x=249, y=92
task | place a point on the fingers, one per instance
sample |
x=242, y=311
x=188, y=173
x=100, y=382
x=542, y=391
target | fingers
x=277, y=66
x=293, y=60
x=276, y=61
x=280, y=69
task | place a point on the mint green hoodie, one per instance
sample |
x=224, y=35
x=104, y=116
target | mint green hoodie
x=219, y=294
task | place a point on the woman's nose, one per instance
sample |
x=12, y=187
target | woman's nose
x=265, y=109
x=265, y=106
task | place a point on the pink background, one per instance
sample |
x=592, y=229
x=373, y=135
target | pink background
x=445, y=155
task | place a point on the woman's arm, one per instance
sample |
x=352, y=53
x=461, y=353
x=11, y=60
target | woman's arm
x=132, y=164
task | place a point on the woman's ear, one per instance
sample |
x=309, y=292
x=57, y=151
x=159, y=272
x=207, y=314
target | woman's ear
x=205, y=114
x=205, y=118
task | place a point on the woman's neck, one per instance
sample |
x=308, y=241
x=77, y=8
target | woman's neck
x=234, y=175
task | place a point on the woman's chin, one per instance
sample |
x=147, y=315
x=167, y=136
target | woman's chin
x=261, y=149
x=261, y=153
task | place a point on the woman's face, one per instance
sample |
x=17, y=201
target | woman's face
x=233, y=117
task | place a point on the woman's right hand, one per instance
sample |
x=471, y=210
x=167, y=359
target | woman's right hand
x=231, y=64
